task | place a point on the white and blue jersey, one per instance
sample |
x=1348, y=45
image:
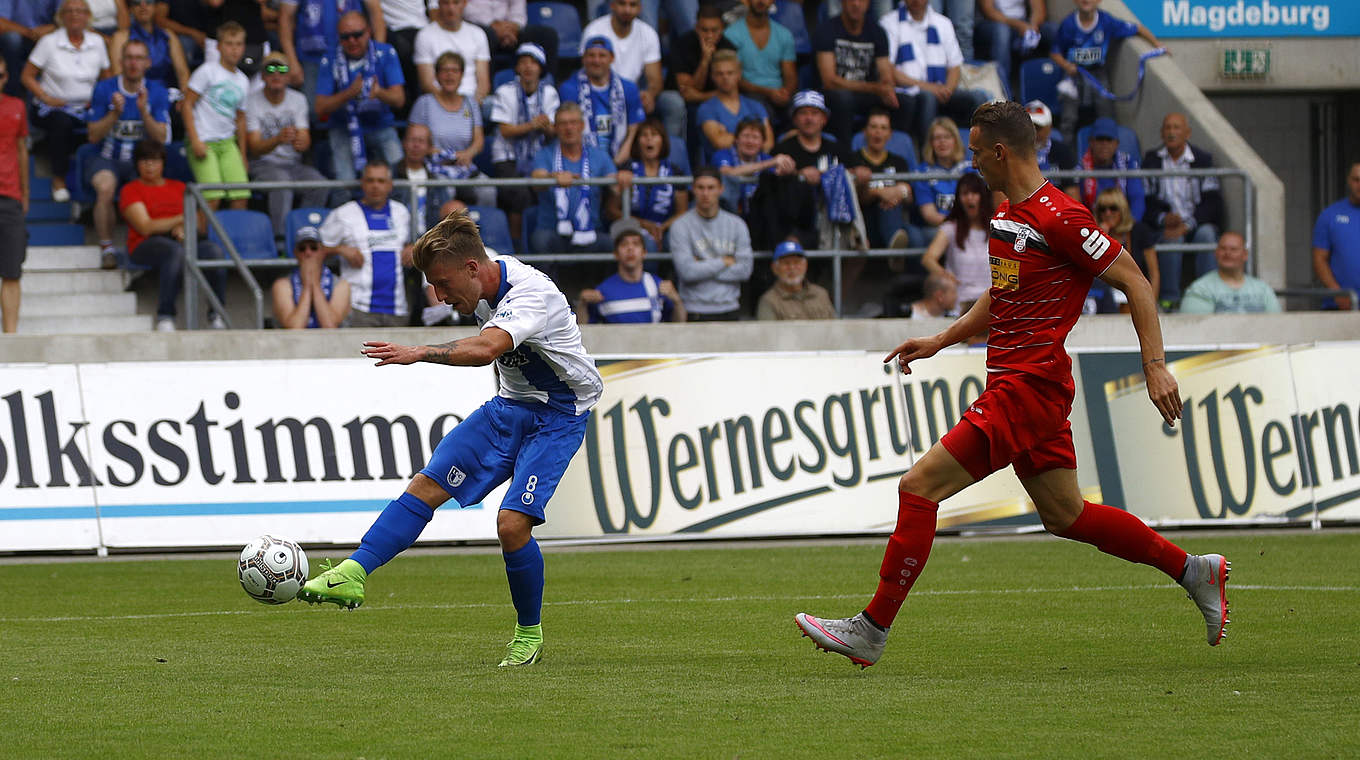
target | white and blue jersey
x=378, y=286
x=626, y=302
x=117, y=146
x=1090, y=48
x=548, y=363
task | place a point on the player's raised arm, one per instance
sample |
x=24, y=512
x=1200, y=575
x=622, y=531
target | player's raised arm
x=1125, y=275
x=477, y=351
x=971, y=323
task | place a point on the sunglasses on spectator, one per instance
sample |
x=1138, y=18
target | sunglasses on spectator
x=352, y=35
x=276, y=68
x=1102, y=209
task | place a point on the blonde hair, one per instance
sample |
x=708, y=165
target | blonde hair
x=1115, y=196
x=928, y=150
x=725, y=56
x=455, y=238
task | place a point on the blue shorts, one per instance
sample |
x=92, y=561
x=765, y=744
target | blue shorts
x=527, y=443
x=123, y=171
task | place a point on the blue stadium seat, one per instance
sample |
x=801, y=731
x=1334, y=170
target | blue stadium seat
x=56, y=234
x=1128, y=141
x=297, y=219
x=495, y=228
x=900, y=143
x=177, y=162
x=565, y=20
x=251, y=231
x=1039, y=78
x=790, y=14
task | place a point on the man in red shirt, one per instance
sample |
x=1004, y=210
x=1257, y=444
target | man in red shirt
x=1045, y=249
x=154, y=209
x=13, y=202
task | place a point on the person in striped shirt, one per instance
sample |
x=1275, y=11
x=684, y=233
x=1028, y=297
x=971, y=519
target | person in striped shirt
x=632, y=295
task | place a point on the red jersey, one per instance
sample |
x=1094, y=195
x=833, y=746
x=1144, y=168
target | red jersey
x=1044, y=252
x=13, y=127
x=161, y=201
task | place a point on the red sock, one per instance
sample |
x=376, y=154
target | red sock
x=1116, y=532
x=905, y=557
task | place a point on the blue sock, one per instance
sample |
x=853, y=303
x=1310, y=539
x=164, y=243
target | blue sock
x=524, y=570
x=396, y=528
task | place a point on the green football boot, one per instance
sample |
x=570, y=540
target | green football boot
x=525, y=648
x=342, y=585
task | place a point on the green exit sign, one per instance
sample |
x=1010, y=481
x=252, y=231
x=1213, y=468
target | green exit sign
x=1245, y=63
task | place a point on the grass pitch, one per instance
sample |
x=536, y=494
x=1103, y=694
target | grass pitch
x=1007, y=648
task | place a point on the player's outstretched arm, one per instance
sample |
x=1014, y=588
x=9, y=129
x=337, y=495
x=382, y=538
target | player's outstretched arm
x=963, y=328
x=477, y=351
x=1162, y=389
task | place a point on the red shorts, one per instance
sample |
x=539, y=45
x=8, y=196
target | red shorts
x=1019, y=420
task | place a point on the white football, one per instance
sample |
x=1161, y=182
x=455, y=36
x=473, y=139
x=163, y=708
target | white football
x=272, y=570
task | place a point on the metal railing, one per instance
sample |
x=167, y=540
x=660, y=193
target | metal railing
x=406, y=189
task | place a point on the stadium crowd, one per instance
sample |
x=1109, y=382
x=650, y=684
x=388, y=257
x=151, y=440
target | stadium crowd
x=787, y=117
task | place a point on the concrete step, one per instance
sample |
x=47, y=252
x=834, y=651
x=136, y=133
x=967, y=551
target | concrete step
x=34, y=325
x=48, y=258
x=95, y=305
x=74, y=284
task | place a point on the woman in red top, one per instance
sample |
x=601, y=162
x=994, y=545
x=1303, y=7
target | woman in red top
x=154, y=209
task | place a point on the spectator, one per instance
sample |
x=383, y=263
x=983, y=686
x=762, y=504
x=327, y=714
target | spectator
x=307, y=32
x=569, y=215
x=885, y=203
x=310, y=296
x=215, y=119
x=852, y=59
x=1103, y=152
x=455, y=122
x=718, y=118
x=61, y=74
x=447, y=33
x=359, y=87
x=691, y=61
x=942, y=151
x=1114, y=217
x=654, y=207
x=522, y=112
x=791, y=204
x=123, y=110
x=1336, y=242
x=679, y=13
x=1083, y=42
x=792, y=296
x=168, y=64
x=404, y=20
x=767, y=55
x=1230, y=289
x=741, y=164
x=252, y=16
x=1009, y=31
x=417, y=146
x=13, y=201
x=22, y=24
x=153, y=207
x=108, y=16
x=961, y=14
x=928, y=56
x=1052, y=155
x=1182, y=208
x=277, y=136
x=635, y=45
x=188, y=20
x=372, y=238
x=939, y=298
x=711, y=249
x=962, y=241
x=632, y=295
x=504, y=22
x=609, y=102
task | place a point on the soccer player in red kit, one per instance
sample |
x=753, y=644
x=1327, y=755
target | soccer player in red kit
x=1044, y=250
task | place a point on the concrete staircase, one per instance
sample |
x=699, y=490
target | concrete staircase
x=65, y=292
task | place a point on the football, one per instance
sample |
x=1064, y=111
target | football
x=272, y=570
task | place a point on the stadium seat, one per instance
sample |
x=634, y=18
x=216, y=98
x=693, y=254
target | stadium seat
x=900, y=143
x=1128, y=141
x=177, y=162
x=563, y=18
x=790, y=14
x=80, y=191
x=495, y=228
x=1039, y=78
x=251, y=232
x=296, y=220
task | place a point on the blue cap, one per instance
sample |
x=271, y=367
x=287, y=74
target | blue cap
x=788, y=248
x=533, y=51
x=1105, y=127
x=809, y=99
x=598, y=41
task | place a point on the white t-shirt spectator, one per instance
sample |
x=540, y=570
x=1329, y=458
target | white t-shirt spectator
x=921, y=59
x=631, y=53
x=221, y=94
x=269, y=119
x=483, y=12
x=507, y=107
x=69, y=72
x=1012, y=9
x=405, y=14
x=469, y=41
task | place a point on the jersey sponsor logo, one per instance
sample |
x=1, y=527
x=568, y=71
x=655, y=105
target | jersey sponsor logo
x=505, y=314
x=455, y=477
x=1005, y=273
x=1020, y=238
x=1096, y=243
x=1343, y=219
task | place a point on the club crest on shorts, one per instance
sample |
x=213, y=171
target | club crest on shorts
x=456, y=477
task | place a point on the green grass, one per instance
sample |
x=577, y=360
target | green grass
x=1008, y=648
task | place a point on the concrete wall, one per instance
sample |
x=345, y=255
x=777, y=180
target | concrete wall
x=1316, y=63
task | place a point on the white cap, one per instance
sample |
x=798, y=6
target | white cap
x=1039, y=113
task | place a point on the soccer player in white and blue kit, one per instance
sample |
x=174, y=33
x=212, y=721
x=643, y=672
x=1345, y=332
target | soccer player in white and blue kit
x=526, y=434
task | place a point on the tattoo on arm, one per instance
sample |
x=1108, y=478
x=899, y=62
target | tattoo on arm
x=442, y=353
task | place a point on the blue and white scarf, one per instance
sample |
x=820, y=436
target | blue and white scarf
x=653, y=202
x=527, y=146
x=575, y=222
x=839, y=196
x=618, y=111
x=343, y=75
